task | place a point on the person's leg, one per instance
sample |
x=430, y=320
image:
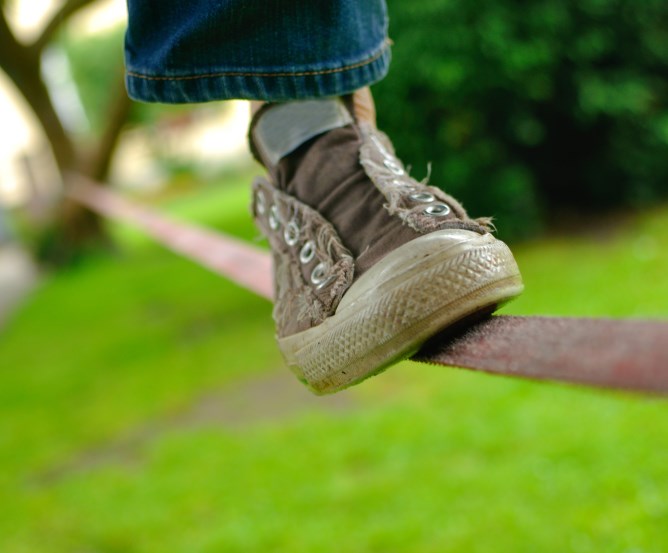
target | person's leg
x=272, y=50
x=368, y=262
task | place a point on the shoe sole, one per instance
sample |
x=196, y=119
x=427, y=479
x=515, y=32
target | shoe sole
x=417, y=291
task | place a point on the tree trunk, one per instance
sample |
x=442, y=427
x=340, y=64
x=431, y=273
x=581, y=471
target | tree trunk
x=22, y=65
x=74, y=228
x=82, y=230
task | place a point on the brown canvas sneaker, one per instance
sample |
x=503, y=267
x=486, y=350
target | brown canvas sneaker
x=368, y=262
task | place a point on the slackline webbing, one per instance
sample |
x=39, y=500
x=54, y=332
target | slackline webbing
x=607, y=353
x=243, y=263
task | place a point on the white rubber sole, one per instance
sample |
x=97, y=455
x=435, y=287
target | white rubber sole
x=416, y=291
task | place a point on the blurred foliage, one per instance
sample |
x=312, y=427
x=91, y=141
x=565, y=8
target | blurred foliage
x=99, y=81
x=97, y=68
x=528, y=109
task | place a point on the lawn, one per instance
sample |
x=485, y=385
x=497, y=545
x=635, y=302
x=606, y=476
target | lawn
x=144, y=409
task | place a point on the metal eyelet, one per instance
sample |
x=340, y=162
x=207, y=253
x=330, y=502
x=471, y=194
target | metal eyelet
x=307, y=253
x=422, y=197
x=393, y=166
x=260, y=202
x=319, y=275
x=437, y=210
x=291, y=233
x=274, y=218
x=326, y=282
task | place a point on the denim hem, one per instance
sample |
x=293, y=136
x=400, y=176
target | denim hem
x=271, y=86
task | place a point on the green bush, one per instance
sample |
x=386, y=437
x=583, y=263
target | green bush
x=527, y=109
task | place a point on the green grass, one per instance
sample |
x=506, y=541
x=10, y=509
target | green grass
x=98, y=368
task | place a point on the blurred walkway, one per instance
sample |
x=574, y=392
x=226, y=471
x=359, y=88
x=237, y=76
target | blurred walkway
x=18, y=275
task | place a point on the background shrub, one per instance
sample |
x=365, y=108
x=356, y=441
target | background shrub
x=527, y=109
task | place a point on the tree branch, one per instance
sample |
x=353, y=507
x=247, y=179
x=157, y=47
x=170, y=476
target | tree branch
x=118, y=111
x=22, y=66
x=68, y=8
x=9, y=45
x=16, y=60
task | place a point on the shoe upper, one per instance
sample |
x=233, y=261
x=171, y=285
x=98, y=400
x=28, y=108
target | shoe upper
x=332, y=209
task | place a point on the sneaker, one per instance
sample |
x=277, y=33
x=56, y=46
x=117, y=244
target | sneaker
x=368, y=262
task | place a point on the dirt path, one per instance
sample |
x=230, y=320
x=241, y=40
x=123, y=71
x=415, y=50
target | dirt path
x=264, y=399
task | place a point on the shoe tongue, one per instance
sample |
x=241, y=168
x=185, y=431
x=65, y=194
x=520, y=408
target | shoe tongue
x=280, y=129
x=325, y=174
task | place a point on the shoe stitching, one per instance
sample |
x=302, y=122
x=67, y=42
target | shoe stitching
x=281, y=74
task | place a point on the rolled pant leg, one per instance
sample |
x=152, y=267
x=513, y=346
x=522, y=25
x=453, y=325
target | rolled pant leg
x=201, y=50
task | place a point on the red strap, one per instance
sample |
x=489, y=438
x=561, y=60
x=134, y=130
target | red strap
x=627, y=354
x=607, y=353
x=237, y=260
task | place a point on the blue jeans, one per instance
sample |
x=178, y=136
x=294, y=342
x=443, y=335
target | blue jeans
x=200, y=50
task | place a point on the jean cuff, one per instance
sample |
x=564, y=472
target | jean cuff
x=270, y=86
